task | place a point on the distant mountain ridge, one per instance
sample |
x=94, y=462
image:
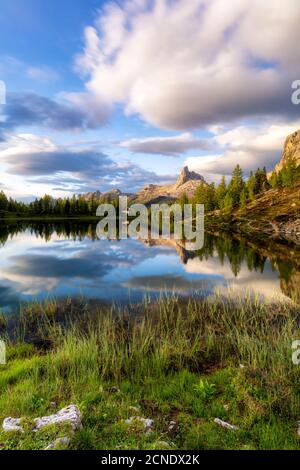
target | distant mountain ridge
x=109, y=196
x=186, y=183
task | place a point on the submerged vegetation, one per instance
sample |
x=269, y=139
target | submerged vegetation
x=180, y=363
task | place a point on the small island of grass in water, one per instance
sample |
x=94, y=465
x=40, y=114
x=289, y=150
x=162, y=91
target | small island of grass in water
x=187, y=366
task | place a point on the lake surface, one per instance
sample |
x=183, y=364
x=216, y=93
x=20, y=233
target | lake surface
x=40, y=260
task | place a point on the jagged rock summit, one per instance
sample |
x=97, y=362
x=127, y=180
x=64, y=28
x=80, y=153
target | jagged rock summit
x=186, y=183
x=187, y=175
x=291, y=150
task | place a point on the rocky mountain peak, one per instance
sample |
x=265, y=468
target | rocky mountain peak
x=187, y=183
x=291, y=150
x=187, y=175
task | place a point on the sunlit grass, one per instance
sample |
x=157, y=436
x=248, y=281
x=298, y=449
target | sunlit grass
x=173, y=359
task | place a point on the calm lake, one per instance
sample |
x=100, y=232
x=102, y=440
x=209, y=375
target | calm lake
x=40, y=260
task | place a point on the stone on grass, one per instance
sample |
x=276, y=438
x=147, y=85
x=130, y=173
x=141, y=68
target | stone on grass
x=298, y=432
x=12, y=425
x=71, y=414
x=225, y=425
x=147, y=424
x=172, y=426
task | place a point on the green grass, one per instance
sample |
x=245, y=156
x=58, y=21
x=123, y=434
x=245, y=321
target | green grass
x=172, y=361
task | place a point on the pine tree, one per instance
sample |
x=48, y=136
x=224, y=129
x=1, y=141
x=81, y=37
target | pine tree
x=3, y=201
x=228, y=202
x=274, y=180
x=199, y=194
x=250, y=186
x=206, y=194
x=289, y=173
x=236, y=185
x=221, y=193
x=67, y=207
x=261, y=181
x=210, y=198
x=243, y=199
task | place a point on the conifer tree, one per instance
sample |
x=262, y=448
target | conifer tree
x=3, y=201
x=221, y=193
x=236, y=185
x=261, y=181
x=290, y=173
x=250, y=186
x=228, y=202
x=243, y=199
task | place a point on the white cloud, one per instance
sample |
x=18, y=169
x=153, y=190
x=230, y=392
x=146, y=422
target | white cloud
x=171, y=146
x=181, y=65
x=266, y=284
x=47, y=167
x=86, y=103
x=251, y=147
x=25, y=144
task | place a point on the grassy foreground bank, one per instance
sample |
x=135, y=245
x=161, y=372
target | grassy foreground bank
x=184, y=363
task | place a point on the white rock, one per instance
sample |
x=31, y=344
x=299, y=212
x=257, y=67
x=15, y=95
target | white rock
x=148, y=424
x=172, y=426
x=71, y=414
x=298, y=432
x=225, y=425
x=12, y=425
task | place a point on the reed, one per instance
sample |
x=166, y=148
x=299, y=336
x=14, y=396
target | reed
x=158, y=352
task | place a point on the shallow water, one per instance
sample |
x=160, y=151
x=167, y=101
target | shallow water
x=41, y=260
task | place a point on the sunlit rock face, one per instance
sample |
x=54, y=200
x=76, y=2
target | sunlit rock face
x=291, y=150
x=187, y=183
x=187, y=176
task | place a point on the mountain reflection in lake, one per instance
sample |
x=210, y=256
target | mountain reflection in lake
x=40, y=260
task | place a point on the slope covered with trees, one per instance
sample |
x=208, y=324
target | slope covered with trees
x=240, y=191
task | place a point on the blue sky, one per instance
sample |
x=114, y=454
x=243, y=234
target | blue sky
x=44, y=34
x=104, y=94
